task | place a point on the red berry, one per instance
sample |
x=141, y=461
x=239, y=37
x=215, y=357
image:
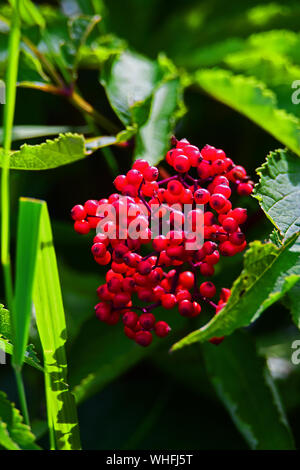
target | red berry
x=82, y=226
x=168, y=301
x=204, y=170
x=120, y=181
x=91, y=207
x=140, y=165
x=239, y=214
x=230, y=224
x=185, y=308
x=151, y=173
x=98, y=249
x=162, y=329
x=182, y=164
x=217, y=201
x=130, y=319
x=207, y=289
x=186, y=279
x=202, y=196
x=209, y=153
x=78, y=212
x=134, y=177
x=244, y=189
x=143, y=338
x=147, y=321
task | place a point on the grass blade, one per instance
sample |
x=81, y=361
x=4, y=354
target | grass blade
x=27, y=248
x=50, y=318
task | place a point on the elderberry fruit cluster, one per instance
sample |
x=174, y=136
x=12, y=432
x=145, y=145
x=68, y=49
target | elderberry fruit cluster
x=170, y=275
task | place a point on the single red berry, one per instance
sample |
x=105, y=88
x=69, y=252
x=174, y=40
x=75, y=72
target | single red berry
x=144, y=267
x=162, y=329
x=160, y=243
x=102, y=311
x=228, y=249
x=140, y=165
x=217, y=201
x=209, y=153
x=143, y=338
x=223, y=189
x=147, y=321
x=206, y=269
x=202, y=196
x=237, y=238
x=134, y=177
x=168, y=301
x=239, y=172
x=120, y=182
x=225, y=294
x=193, y=153
x=78, y=212
x=204, y=170
x=130, y=319
x=186, y=279
x=185, y=308
x=182, y=164
x=175, y=187
x=82, y=226
x=207, y=289
x=91, y=207
x=239, y=214
x=114, y=285
x=98, y=249
x=244, y=189
x=151, y=173
x=230, y=224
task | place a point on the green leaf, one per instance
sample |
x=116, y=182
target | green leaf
x=51, y=324
x=251, y=98
x=129, y=81
x=29, y=13
x=147, y=95
x=247, y=391
x=153, y=137
x=30, y=356
x=278, y=191
x=14, y=434
x=5, y=326
x=27, y=247
x=67, y=148
x=269, y=272
x=292, y=301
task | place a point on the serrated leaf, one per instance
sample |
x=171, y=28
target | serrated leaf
x=269, y=272
x=251, y=98
x=247, y=391
x=292, y=301
x=30, y=356
x=278, y=191
x=66, y=148
x=14, y=434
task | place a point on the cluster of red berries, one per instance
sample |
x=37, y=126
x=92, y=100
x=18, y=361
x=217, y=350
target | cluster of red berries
x=161, y=278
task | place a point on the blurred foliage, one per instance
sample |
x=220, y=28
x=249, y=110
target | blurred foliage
x=133, y=71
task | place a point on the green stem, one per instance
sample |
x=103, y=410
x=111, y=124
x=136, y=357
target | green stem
x=22, y=396
x=9, y=111
x=8, y=120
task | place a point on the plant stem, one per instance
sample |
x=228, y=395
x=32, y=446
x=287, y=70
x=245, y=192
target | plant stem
x=9, y=111
x=8, y=119
x=81, y=104
x=22, y=396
